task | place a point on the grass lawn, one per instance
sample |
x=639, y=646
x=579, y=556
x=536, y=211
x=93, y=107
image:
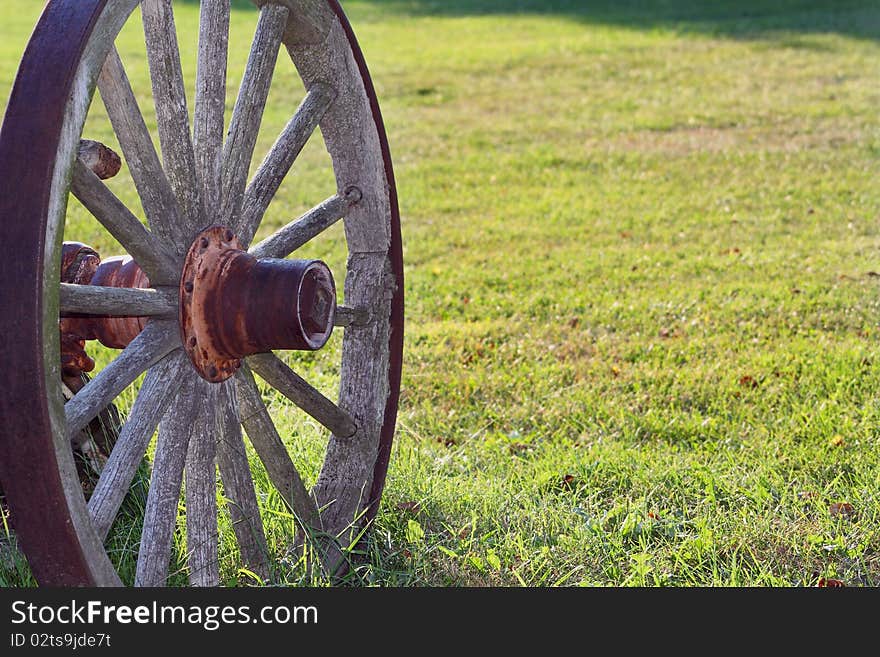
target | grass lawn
x=641, y=260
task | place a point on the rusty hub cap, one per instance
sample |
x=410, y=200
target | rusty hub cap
x=233, y=305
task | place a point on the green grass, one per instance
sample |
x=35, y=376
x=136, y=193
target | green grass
x=641, y=255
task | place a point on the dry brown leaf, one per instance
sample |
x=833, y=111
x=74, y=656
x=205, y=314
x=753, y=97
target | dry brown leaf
x=841, y=509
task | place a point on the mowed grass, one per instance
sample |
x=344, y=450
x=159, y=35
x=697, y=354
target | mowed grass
x=641, y=259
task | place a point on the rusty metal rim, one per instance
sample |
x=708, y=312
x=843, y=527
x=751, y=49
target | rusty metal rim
x=395, y=340
x=29, y=141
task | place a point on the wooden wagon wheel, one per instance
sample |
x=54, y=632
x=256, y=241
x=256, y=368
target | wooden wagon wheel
x=214, y=311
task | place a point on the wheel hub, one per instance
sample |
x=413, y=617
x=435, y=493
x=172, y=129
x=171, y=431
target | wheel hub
x=80, y=264
x=233, y=305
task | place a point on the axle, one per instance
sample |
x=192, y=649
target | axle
x=231, y=304
x=82, y=265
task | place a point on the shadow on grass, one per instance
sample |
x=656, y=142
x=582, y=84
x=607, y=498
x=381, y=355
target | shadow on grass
x=733, y=18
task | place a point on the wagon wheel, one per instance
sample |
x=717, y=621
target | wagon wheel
x=214, y=311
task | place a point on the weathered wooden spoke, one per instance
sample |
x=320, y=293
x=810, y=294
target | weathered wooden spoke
x=201, y=485
x=278, y=375
x=160, y=517
x=160, y=386
x=238, y=485
x=157, y=197
x=172, y=116
x=270, y=448
x=248, y=112
x=187, y=273
x=208, y=122
x=150, y=253
x=294, y=235
x=275, y=167
x=157, y=340
x=120, y=301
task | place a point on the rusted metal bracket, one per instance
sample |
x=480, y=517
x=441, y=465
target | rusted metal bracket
x=78, y=265
x=82, y=265
x=102, y=160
